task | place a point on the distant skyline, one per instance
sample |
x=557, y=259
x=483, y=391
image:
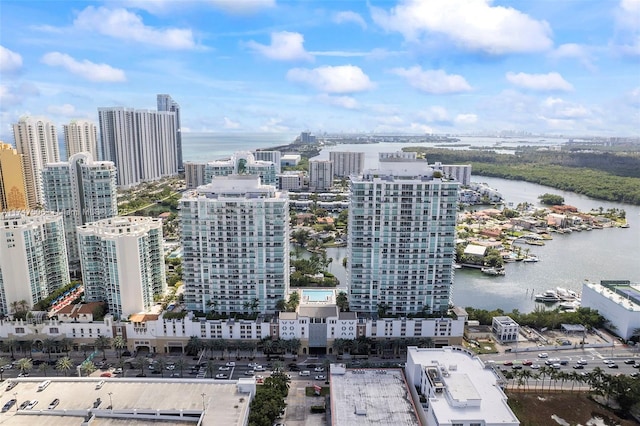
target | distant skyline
x=409, y=66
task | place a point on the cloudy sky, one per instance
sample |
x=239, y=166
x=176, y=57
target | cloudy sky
x=567, y=67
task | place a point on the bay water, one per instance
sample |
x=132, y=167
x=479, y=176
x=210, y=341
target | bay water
x=566, y=261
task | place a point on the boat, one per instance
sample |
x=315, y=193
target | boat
x=567, y=295
x=457, y=266
x=531, y=258
x=549, y=296
x=493, y=271
x=569, y=306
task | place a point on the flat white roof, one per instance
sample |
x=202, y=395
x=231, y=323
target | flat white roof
x=625, y=302
x=468, y=384
x=381, y=397
x=135, y=401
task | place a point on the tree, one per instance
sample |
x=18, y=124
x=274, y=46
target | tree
x=64, y=364
x=551, y=199
x=161, y=364
x=10, y=346
x=24, y=365
x=181, y=363
x=102, y=343
x=294, y=301
x=87, y=368
x=48, y=345
x=44, y=367
x=342, y=301
x=281, y=305
x=194, y=345
x=119, y=343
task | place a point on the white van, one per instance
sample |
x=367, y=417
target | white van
x=305, y=373
x=42, y=386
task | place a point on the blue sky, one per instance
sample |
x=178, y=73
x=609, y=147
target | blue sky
x=568, y=67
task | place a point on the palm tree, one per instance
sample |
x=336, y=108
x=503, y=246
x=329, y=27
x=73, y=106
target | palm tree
x=44, y=367
x=87, y=367
x=180, y=364
x=102, y=343
x=24, y=365
x=161, y=363
x=194, y=345
x=119, y=343
x=48, y=345
x=211, y=369
x=64, y=364
x=139, y=363
x=10, y=346
x=66, y=344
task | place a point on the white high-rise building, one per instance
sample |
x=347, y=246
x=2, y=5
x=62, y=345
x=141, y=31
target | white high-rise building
x=401, y=242
x=235, y=236
x=194, y=174
x=141, y=143
x=272, y=156
x=346, y=164
x=320, y=174
x=242, y=163
x=166, y=103
x=82, y=190
x=37, y=140
x=81, y=136
x=33, y=257
x=123, y=263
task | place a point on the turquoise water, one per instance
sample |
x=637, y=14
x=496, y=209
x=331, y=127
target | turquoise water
x=316, y=295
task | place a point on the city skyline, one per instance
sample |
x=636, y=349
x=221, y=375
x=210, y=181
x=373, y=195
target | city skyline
x=272, y=66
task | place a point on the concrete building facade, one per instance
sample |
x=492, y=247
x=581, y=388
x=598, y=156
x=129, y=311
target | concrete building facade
x=141, y=143
x=13, y=192
x=242, y=163
x=346, y=164
x=617, y=301
x=320, y=175
x=81, y=136
x=37, y=141
x=505, y=329
x=84, y=191
x=235, y=235
x=272, y=156
x=123, y=263
x=401, y=243
x=194, y=174
x=33, y=257
x=167, y=104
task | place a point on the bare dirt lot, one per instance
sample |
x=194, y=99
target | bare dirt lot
x=535, y=409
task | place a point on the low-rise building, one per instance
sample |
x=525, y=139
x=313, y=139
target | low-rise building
x=451, y=387
x=617, y=301
x=505, y=329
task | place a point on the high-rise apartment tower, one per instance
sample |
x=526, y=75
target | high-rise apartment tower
x=346, y=164
x=81, y=136
x=123, y=263
x=166, y=103
x=37, y=140
x=33, y=257
x=235, y=236
x=13, y=192
x=82, y=190
x=401, y=242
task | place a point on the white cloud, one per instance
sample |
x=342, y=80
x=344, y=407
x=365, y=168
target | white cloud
x=539, y=82
x=470, y=24
x=435, y=114
x=85, y=69
x=559, y=109
x=124, y=25
x=349, y=16
x=274, y=125
x=328, y=79
x=230, y=124
x=466, y=119
x=9, y=60
x=433, y=81
x=627, y=36
x=342, y=101
x=66, y=110
x=574, y=51
x=11, y=96
x=242, y=7
x=285, y=46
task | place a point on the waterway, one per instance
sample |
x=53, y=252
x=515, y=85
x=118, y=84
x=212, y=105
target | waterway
x=566, y=261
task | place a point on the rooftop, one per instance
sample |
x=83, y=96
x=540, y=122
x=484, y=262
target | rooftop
x=469, y=391
x=141, y=401
x=370, y=397
x=623, y=293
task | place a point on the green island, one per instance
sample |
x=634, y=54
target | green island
x=601, y=174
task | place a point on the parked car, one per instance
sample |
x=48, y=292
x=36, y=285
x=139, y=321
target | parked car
x=517, y=367
x=249, y=373
x=612, y=365
x=54, y=404
x=231, y=364
x=221, y=376
x=7, y=406
x=527, y=362
x=582, y=362
x=11, y=385
x=24, y=405
x=579, y=367
x=320, y=377
x=318, y=369
x=31, y=404
x=629, y=361
x=508, y=363
x=535, y=366
x=224, y=368
x=543, y=355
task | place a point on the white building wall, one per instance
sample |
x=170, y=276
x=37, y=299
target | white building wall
x=320, y=175
x=81, y=136
x=347, y=163
x=623, y=313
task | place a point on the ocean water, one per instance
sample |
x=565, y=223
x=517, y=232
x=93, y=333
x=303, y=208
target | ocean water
x=216, y=146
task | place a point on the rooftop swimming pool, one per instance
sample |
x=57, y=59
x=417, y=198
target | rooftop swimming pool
x=317, y=295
